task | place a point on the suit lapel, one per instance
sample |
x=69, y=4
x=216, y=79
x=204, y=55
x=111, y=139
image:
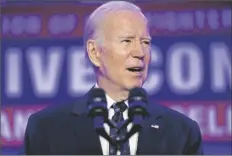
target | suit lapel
x=88, y=141
x=150, y=137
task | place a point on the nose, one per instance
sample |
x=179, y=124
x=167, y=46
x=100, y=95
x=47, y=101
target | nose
x=138, y=50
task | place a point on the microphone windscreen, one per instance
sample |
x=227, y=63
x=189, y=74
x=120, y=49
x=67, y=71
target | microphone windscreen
x=97, y=95
x=138, y=94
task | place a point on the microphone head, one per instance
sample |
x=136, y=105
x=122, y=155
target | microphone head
x=97, y=107
x=137, y=94
x=137, y=105
x=97, y=95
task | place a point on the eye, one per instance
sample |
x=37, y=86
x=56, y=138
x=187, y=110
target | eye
x=147, y=42
x=127, y=41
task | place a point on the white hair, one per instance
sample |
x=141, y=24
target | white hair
x=91, y=30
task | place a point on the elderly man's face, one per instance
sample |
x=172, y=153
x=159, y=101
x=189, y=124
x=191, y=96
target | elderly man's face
x=125, y=53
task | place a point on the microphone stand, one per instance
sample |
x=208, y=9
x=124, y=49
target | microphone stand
x=99, y=115
x=99, y=128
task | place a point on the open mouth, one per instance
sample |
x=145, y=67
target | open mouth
x=135, y=69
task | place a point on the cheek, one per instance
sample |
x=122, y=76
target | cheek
x=114, y=57
x=106, y=56
x=148, y=58
x=111, y=63
x=117, y=56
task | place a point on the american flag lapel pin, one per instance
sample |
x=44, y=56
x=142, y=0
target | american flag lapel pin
x=155, y=126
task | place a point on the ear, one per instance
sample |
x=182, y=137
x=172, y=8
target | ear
x=93, y=52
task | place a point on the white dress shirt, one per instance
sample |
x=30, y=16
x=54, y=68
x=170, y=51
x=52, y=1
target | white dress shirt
x=133, y=141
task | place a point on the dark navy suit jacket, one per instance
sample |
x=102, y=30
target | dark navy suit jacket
x=66, y=130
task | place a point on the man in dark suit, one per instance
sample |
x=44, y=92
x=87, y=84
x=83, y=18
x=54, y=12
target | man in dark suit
x=117, y=43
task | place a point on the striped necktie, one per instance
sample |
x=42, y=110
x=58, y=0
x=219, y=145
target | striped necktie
x=119, y=108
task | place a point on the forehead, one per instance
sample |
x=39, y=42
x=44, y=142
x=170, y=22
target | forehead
x=125, y=22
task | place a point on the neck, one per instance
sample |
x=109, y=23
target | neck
x=113, y=90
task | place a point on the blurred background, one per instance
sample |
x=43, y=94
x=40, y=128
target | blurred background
x=42, y=62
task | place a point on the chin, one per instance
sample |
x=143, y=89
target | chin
x=134, y=84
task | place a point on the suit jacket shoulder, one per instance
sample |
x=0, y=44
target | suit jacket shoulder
x=179, y=126
x=50, y=120
x=169, y=115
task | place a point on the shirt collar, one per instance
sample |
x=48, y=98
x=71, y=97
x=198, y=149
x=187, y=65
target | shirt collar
x=109, y=100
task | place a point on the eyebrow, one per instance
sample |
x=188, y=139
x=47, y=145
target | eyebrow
x=132, y=37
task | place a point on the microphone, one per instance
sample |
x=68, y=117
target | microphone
x=97, y=108
x=136, y=113
x=97, y=111
x=137, y=109
x=137, y=105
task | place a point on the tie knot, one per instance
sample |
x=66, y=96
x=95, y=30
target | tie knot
x=119, y=107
